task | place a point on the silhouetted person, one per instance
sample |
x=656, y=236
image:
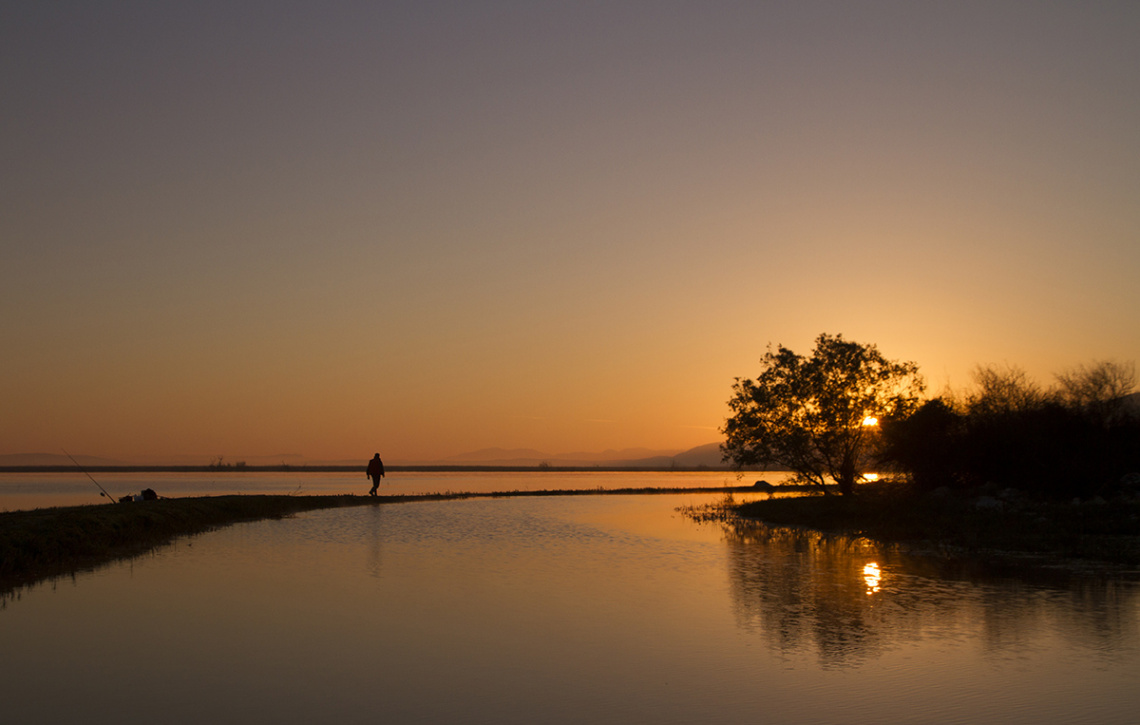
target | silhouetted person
x=375, y=472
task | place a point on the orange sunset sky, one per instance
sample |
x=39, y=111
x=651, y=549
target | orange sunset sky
x=423, y=228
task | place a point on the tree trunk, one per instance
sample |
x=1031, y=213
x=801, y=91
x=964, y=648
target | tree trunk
x=847, y=477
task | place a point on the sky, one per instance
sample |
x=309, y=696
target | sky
x=422, y=228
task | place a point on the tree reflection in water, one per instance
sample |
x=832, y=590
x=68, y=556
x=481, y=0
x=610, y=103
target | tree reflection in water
x=847, y=599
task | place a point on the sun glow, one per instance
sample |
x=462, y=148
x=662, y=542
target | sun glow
x=870, y=420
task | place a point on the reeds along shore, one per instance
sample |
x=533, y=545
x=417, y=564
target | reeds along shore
x=1107, y=532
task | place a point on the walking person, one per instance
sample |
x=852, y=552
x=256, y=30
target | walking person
x=375, y=472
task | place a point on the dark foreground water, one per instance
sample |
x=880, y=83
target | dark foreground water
x=606, y=609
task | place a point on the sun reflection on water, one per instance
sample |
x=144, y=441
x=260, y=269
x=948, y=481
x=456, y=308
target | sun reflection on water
x=873, y=577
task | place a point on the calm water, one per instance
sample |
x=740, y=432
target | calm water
x=609, y=609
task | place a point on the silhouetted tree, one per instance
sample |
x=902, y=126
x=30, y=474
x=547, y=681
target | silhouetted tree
x=813, y=415
x=1079, y=439
x=1098, y=390
x=1003, y=391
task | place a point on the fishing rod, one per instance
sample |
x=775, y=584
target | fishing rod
x=103, y=491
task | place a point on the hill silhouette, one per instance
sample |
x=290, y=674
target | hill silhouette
x=707, y=455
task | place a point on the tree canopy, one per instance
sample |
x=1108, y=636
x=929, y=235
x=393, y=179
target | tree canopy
x=817, y=416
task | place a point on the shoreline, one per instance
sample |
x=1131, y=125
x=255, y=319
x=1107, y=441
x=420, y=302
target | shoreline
x=48, y=543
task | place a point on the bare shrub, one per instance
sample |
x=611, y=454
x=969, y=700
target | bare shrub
x=1003, y=390
x=1098, y=389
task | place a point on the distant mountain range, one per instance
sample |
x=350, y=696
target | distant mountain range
x=706, y=456
x=702, y=456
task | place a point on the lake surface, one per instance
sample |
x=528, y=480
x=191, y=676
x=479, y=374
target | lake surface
x=606, y=609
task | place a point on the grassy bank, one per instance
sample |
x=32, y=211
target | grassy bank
x=1097, y=531
x=43, y=543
